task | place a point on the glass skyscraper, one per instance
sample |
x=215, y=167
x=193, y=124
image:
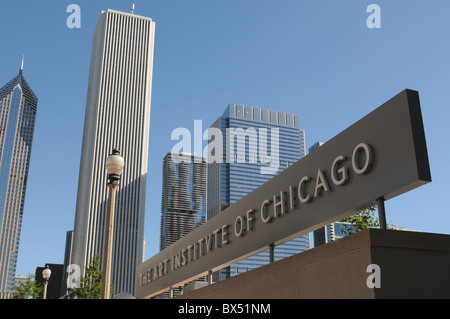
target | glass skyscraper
x=183, y=203
x=18, y=106
x=117, y=115
x=247, y=147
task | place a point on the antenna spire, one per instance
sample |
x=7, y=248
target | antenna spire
x=132, y=8
x=21, y=65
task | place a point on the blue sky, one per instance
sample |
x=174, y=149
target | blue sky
x=317, y=59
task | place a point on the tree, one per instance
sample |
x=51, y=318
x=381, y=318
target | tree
x=30, y=290
x=90, y=284
x=363, y=220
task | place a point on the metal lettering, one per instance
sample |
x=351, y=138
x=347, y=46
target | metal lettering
x=200, y=246
x=343, y=172
x=250, y=219
x=189, y=248
x=224, y=235
x=292, y=203
x=183, y=257
x=208, y=242
x=265, y=219
x=216, y=238
x=321, y=182
x=239, y=222
x=368, y=162
x=279, y=204
x=299, y=191
x=177, y=260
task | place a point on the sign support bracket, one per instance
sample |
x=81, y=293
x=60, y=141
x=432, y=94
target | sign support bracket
x=271, y=253
x=381, y=213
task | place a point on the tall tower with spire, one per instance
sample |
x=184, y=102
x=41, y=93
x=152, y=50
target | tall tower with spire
x=18, y=106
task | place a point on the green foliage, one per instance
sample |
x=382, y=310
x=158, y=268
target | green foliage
x=363, y=220
x=90, y=284
x=30, y=290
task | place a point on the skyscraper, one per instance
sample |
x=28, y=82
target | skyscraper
x=18, y=106
x=183, y=203
x=117, y=114
x=251, y=145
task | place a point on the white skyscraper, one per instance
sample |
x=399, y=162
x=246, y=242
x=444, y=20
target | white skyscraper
x=117, y=114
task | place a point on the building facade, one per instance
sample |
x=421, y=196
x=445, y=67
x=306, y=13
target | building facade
x=330, y=233
x=247, y=147
x=18, y=106
x=183, y=203
x=117, y=115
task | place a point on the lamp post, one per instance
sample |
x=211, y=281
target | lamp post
x=114, y=168
x=46, y=273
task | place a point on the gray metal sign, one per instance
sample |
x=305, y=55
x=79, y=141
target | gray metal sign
x=382, y=155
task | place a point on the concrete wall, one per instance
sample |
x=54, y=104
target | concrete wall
x=412, y=265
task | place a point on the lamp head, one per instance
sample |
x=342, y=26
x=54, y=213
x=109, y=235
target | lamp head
x=114, y=166
x=46, y=273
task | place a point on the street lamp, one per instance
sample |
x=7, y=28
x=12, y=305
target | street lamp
x=114, y=168
x=46, y=273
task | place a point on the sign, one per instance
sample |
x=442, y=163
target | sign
x=382, y=155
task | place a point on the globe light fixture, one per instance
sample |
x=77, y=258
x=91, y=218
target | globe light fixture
x=46, y=273
x=114, y=166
